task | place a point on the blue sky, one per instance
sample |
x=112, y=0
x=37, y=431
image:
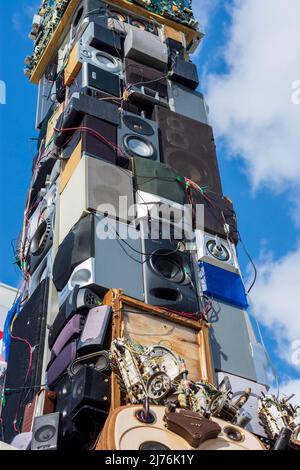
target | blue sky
x=263, y=206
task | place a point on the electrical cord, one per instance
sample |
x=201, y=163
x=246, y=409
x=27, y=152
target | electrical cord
x=252, y=263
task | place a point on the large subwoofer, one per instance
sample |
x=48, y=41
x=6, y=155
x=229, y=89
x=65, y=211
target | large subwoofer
x=188, y=146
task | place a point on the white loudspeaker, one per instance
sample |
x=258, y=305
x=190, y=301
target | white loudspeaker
x=95, y=186
x=217, y=251
x=146, y=48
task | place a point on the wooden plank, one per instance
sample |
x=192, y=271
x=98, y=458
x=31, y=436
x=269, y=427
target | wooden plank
x=53, y=45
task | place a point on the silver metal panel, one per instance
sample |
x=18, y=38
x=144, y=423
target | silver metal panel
x=230, y=341
x=238, y=386
x=187, y=102
x=146, y=48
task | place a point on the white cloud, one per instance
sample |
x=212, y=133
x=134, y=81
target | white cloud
x=251, y=106
x=290, y=388
x=276, y=300
x=203, y=10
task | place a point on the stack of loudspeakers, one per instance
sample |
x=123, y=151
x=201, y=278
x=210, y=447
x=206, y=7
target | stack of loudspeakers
x=119, y=118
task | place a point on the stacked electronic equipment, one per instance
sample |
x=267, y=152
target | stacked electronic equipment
x=119, y=116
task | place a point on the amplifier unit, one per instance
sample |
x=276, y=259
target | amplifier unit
x=78, y=107
x=41, y=242
x=71, y=331
x=59, y=366
x=46, y=432
x=139, y=75
x=30, y=325
x=188, y=103
x=102, y=38
x=168, y=273
x=46, y=98
x=159, y=179
x=79, y=301
x=146, y=48
x=100, y=244
x=138, y=137
x=96, y=186
x=96, y=138
x=214, y=250
x=222, y=284
x=239, y=385
x=230, y=341
x=81, y=53
x=152, y=207
x=218, y=211
x=87, y=11
x=184, y=72
x=94, y=333
x=188, y=147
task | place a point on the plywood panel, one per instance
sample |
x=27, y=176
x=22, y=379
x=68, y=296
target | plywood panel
x=147, y=330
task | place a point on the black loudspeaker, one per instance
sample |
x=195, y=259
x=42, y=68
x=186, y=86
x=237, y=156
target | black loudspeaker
x=138, y=75
x=90, y=388
x=169, y=276
x=46, y=432
x=61, y=88
x=159, y=179
x=184, y=72
x=138, y=137
x=100, y=244
x=41, y=242
x=42, y=167
x=218, y=211
x=102, y=38
x=78, y=301
x=98, y=139
x=188, y=147
x=87, y=10
x=29, y=330
x=79, y=106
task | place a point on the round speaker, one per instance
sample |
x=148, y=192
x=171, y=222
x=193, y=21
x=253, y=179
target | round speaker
x=41, y=237
x=169, y=266
x=45, y=433
x=117, y=16
x=139, y=147
x=138, y=125
x=78, y=388
x=139, y=24
x=108, y=62
x=218, y=251
x=233, y=434
x=152, y=445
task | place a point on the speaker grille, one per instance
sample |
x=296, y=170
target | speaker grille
x=30, y=325
x=188, y=146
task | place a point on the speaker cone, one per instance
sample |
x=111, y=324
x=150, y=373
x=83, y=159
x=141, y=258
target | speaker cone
x=117, y=16
x=138, y=125
x=139, y=24
x=152, y=445
x=138, y=146
x=41, y=237
x=108, y=62
x=218, y=251
x=169, y=266
x=45, y=433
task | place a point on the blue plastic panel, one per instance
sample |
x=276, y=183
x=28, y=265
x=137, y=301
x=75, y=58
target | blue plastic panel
x=223, y=285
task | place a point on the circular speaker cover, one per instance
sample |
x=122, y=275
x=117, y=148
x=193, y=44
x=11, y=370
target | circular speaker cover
x=169, y=265
x=152, y=445
x=41, y=237
x=139, y=146
x=138, y=125
x=45, y=433
x=218, y=251
x=107, y=62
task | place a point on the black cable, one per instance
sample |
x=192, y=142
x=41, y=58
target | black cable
x=252, y=263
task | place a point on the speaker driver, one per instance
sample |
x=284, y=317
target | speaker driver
x=152, y=445
x=139, y=24
x=140, y=126
x=117, y=16
x=41, y=237
x=139, y=146
x=218, y=251
x=107, y=62
x=169, y=266
x=45, y=433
